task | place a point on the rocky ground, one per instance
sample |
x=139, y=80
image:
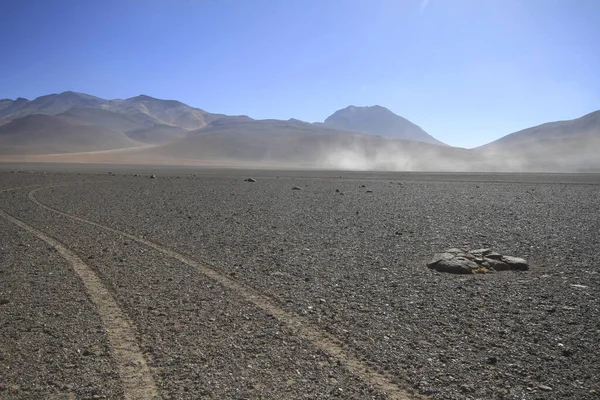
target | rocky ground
x=347, y=254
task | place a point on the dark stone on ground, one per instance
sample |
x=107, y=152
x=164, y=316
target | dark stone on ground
x=458, y=261
x=515, y=263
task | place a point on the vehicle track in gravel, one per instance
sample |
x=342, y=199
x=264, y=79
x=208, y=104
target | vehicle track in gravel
x=133, y=370
x=297, y=324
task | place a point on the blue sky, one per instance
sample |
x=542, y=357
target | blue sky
x=466, y=71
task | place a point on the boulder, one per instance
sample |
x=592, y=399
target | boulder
x=515, y=263
x=480, y=253
x=457, y=265
x=437, y=257
x=496, y=265
x=458, y=261
x=493, y=255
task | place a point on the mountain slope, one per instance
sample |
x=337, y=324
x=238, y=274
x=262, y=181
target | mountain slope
x=377, y=120
x=142, y=118
x=297, y=143
x=46, y=134
x=168, y=112
x=51, y=104
x=571, y=145
x=106, y=118
x=5, y=103
x=551, y=133
x=137, y=126
x=11, y=107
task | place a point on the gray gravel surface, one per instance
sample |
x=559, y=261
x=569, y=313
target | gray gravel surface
x=52, y=341
x=354, y=264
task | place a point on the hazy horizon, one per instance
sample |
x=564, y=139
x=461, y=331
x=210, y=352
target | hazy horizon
x=466, y=72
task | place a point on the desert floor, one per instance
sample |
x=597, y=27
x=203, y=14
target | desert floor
x=198, y=284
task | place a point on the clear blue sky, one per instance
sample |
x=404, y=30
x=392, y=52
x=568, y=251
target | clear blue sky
x=467, y=71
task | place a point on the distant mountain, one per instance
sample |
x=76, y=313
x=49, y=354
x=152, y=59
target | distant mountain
x=142, y=118
x=572, y=145
x=137, y=126
x=242, y=139
x=46, y=134
x=168, y=112
x=108, y=119
x=551, y=133
x=51, y=104
x=377, y=120
x=5, y=103
x=354, y=137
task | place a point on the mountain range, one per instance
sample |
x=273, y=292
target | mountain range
x=144, y=129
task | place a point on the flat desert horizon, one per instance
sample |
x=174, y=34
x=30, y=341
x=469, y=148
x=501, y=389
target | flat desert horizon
x=186, y=282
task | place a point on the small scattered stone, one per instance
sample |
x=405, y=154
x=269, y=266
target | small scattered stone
x=545, y=388
x=296, y=188
x=369, y=191
x=337, y=190
x=152, y=176
x=567, y=352
x=576, y=285
x=467, y=388
x=492, y=360
x=4, y=301
x=249, y=180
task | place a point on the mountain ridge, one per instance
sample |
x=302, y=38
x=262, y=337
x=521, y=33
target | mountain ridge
x=352, y=137
x=151, y=112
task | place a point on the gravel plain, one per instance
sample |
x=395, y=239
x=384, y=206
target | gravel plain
x=345, y=254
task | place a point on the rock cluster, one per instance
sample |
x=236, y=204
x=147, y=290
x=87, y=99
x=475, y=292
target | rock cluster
x=459, y=261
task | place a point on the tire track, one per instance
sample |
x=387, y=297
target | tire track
x=297, y=324
x=136, y=377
